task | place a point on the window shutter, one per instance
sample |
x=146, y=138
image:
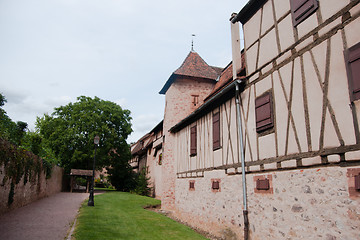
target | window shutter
x=264, y=112
x=357, y=182
x=352, y=57
x=301, y=9
x=262, y=184
x=215, y=185
x=193, y=141
x=216, y=130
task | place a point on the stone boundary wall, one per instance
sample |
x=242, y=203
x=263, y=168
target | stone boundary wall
x=31, y=191
x=308, y=203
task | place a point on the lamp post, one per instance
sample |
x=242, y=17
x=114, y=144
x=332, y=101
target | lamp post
x=91, y=197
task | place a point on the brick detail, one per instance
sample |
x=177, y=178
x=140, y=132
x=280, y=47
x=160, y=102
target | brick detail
x=311, y=161
x=288, y=164
x=352, y=156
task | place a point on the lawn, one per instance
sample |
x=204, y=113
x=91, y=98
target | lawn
x=119, y=215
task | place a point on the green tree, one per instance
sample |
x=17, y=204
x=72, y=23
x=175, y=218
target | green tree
x=120, y=172
x=70, y=130
x=9, y=130
x=142, y=183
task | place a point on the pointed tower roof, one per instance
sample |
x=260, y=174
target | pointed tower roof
x=193, y=66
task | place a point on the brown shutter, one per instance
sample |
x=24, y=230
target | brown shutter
x=216, y=130
x=357, y=182
x=262, y=184
x=301, y=9
x=264, y=112
x=215, y=185
x=193, y=141
x=352, y=57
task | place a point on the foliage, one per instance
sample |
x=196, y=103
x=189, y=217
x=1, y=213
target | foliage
x=10, y=130
x=70, y=130
x=32, y=141
x=19, y=163
x=15, y=146
x=142, y=183
x=119, y=215
x=121, y=175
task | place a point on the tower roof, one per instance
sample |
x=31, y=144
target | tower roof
x=193, y=66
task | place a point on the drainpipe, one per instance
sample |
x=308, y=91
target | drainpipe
x=240, y=132
x=236, y=60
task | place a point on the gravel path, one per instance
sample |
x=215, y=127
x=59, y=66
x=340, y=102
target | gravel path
x=47, y=219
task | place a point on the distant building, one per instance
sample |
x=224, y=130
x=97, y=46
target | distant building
x=146, y=153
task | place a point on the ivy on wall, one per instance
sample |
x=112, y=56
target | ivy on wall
x=19, y=163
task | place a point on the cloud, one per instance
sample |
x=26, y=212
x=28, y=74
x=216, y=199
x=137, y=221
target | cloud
x=122, y=102
x=143, y=124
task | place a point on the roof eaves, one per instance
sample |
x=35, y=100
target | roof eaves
x=248, y=11
x=168, y=84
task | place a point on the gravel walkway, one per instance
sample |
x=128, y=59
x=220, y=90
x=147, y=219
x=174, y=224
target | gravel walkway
x=47, y=219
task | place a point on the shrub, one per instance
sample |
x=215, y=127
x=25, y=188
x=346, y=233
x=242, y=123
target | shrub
x=142, y=184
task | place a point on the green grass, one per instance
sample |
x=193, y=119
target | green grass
x=119, y=215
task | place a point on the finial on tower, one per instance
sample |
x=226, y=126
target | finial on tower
x=192, y=42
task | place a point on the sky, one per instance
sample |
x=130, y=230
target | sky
x=53, y=51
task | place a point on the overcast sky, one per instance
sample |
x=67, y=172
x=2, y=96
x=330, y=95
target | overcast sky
x=52, y=51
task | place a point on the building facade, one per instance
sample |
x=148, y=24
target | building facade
x=272, y=148
x=299, y=115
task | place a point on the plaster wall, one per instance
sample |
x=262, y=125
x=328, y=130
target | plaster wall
x=154, y=172
x=178, y=104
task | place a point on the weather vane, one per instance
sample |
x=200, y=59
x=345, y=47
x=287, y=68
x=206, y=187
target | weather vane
x=192, y=42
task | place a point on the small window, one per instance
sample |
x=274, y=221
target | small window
x=193, y=139
x=195, y=99
x=216, y=131
x=160, y=159
x=352, y=59
x=357, y=182
x=302, y=9
x=264, y=112
x=191, y=185
x=215, y=185
x=262, y=184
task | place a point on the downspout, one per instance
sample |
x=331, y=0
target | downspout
x=240, y=132
x=236, y=60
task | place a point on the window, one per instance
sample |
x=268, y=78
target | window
x=215, y=185
x=160, y=159
x=195, y=99
x=264, y=112
x=193, y=140
x=302, y=9
x=352, y=59
x=191, y=185
x=262, y=184
x=216, y=131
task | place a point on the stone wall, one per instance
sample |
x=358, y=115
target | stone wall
x=31, y=191
x=308, y=203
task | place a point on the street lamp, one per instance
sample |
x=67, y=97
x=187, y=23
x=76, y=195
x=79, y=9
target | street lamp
x=91, y=197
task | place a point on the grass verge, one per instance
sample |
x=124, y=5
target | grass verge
x=119, y=215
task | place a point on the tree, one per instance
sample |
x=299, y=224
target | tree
x=9, y=130
x=70, y=130
x=120, y=172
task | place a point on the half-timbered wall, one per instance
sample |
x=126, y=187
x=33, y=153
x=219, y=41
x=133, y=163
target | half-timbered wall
x=310, y=156
x=313, y=115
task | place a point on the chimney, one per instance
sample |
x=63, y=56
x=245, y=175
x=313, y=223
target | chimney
x=235, y=46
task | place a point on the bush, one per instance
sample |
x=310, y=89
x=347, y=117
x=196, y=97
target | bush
x=142, y=184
